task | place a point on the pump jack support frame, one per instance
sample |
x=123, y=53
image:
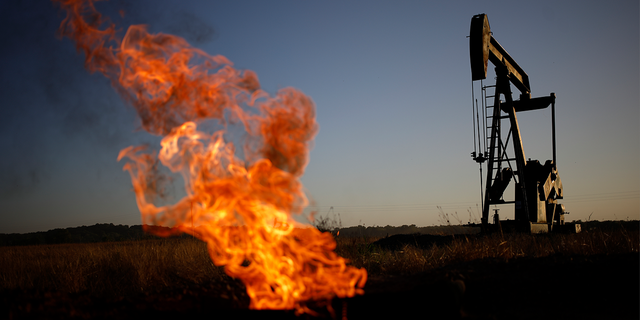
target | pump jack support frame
x=503, y=88
x=537, y=186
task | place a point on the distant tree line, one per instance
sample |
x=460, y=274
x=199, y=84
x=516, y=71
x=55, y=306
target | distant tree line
x=108, y=232
x=102, y=232
x=380, y=232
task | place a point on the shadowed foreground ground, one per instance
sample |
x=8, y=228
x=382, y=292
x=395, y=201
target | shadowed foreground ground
x=553, y=287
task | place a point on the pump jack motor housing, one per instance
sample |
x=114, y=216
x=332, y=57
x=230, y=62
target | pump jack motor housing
x=537, y=187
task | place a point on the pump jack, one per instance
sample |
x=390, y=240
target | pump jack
x=537, y=187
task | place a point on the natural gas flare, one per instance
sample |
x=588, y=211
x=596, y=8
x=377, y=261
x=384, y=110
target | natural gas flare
x=243, y=205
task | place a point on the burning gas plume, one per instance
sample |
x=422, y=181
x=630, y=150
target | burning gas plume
x=243, y=205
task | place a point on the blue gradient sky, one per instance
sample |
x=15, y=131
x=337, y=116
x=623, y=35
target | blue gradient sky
x=392, y=86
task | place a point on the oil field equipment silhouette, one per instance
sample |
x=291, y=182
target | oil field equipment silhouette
x=537, y=186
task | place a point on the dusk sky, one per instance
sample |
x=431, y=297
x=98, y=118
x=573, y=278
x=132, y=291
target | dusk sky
x=392, y=85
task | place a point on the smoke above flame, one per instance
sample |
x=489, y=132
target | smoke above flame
x=243, y=206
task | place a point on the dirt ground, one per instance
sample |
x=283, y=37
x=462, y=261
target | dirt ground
x=555, y=287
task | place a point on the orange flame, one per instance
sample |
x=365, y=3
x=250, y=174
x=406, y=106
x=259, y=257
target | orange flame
x=244, y=207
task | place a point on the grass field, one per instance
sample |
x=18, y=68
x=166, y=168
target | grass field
x=108, y=269
x=128, y=268
x=413, y=256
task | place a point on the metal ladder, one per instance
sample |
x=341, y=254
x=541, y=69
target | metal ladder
x=500, y=154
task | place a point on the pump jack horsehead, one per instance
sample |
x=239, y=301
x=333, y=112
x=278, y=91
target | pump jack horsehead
x=537, y=187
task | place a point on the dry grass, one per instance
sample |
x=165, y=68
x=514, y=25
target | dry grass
x=126, y=268
x=108, y=269
x=362, y=252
